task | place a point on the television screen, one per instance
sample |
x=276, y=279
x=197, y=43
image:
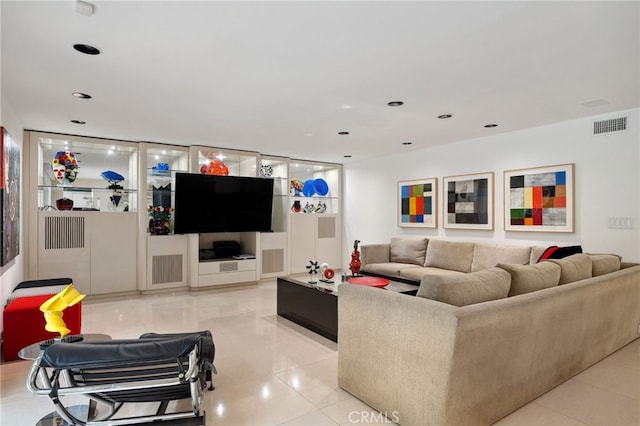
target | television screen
x=211, y=203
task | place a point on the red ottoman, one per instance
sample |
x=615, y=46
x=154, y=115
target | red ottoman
x=24, y=324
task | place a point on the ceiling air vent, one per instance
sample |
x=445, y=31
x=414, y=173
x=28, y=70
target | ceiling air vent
x=611, y=125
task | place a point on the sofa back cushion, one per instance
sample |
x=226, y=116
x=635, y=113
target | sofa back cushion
x=573, y=268
x=453, y=255
x=408, y=250
x=466, y=289
x=528, y=278
x=604, y=264
x=487, y=256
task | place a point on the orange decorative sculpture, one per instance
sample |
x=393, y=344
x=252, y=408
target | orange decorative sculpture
x=356, y=263
x=216, y=167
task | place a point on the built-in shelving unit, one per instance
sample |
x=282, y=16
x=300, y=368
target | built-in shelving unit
x=314, y=216
x=118, y=237
x=83, y=224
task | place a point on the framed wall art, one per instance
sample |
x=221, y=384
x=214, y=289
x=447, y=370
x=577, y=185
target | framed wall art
x=417, y=203
x=469, y=201
x=539, y=199
x=9, y=197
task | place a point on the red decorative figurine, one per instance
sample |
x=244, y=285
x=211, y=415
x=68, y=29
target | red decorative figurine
x=355, y=260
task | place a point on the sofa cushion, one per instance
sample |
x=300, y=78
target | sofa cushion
x=390, y=269
x=528, y=278
x=604, y=264
x=416, y=274
x=536, y=252
x=408, y=250
x=487, y=256
x=573, y=268
x=466, y=289
x=453, y=255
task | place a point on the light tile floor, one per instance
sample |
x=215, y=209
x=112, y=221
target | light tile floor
x=273, y=372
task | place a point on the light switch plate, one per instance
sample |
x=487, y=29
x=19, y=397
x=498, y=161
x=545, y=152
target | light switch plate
x=621, y=223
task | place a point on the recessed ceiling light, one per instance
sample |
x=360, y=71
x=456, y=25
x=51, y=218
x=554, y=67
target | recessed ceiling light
x=443, y=116
x=395, y=103
x=86, y=49
x=348, y=156
x=81, y=95
x=343, y=133
x=407, y=143
x=78, y=122
x=346, y=107
x=488, y=126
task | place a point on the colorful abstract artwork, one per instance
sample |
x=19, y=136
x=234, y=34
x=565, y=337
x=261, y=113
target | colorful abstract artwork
x=9, y=197
x=417, y=203
x=539, y=199
x=469, y=201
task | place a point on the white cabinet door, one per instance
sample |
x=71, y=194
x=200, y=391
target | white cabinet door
x=113, y=252
x=302, y=241
x=64, y=249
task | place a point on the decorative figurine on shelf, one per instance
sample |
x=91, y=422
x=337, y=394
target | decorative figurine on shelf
x=160, y=219
x=321, y=208
x=356, y=263
x=308, y=208
x=65, y=166
x=296, y=187
x=296, y=207
x=312, y=266
x=216, y=167
x=162, y=169
x=266, y=171
x=114, y=180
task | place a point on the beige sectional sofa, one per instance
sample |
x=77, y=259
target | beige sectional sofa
x=409, y=259
x=519, y=330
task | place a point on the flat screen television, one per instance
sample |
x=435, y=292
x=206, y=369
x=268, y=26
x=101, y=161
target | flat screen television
x=211, y=203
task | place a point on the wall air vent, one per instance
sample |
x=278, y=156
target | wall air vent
x=608, y=126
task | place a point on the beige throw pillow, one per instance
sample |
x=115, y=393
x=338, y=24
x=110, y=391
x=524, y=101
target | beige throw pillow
x=573, y=268
x=487, y=256
x=528, y=278
x=408, y=250
x=466, y=289
x=604, y=264
x=452, y=255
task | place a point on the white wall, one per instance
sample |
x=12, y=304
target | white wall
x=13, y=272
x=607, y=184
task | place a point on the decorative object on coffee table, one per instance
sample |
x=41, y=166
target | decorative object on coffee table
x=539, y=199
x=326, y=272
x=370, y=281
x=355, y=263
x=417, y=203
x=312, y=267
x=468, y=201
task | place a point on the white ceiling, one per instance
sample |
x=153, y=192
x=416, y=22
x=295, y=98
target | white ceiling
x=275, y=77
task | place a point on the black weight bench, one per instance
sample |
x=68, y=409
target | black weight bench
x=154, y=368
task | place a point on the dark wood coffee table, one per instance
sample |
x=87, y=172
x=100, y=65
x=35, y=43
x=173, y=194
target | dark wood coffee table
x=315, y=306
